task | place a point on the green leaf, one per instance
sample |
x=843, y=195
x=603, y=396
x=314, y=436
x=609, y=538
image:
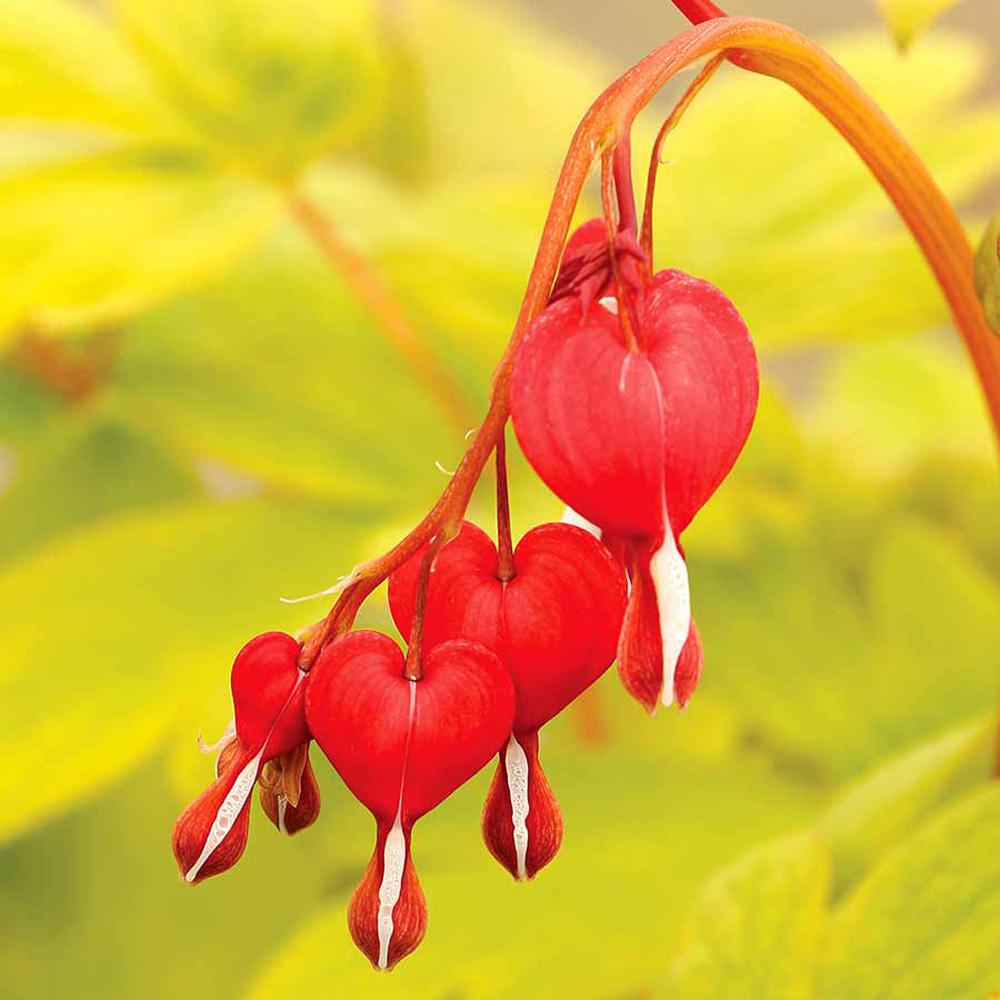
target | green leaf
x=25, y=408
x=826, y=627
x=924, y=925
x=485, y=71
x=118, y=627
x=276, y=371
x=274, y=85
x=84, y=470
x=932, y=607
x=62, y=64
x=93, y=240
x=883, y=407
x=908, y=18
x=634, y=850
x=987, y=273
x=881, y=809
x=756, y=928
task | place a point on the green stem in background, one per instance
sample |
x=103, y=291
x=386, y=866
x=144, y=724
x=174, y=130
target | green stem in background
x=767, y=48
x=71, y=371
x=390, y=317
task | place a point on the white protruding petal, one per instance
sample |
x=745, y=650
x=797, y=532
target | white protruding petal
x=393, y=863
x=394, y=854
x=673, y=601
x=516, y=762
x=282, y=808
x=570, y=516
x=610, y=303
x=227, y=814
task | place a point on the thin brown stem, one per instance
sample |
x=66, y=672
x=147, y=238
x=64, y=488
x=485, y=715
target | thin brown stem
x=375, y=295
x=505, y=545
x=622, y=169
x=673, y=120
x=625, y=318
x=71, y=373
x=414, y=668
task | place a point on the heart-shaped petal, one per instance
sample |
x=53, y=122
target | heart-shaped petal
x=403, y=746
x=269, y=695
x=554, y=625
x=624, y=436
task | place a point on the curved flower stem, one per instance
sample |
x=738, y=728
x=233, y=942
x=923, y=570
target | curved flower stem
x=672, y=121
x=626, y=318
x=767, y=48
x=622, y=169
x=505, y=544
x=390, y=316
x=414, y=668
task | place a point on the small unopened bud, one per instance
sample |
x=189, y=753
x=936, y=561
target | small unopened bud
x=522, y=825
x=289, y=794
x=211, y=833
x=387, y=916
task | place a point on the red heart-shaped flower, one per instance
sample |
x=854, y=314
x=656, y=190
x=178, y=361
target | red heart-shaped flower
x=268, y=694
x=610, y=429
x=403, y=746
x=554, y=625
x=269, y=704
x=635, y=437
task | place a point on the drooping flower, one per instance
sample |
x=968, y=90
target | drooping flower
x=554, y=624
x=403, y=746
x=269, y=702
x=633, y=409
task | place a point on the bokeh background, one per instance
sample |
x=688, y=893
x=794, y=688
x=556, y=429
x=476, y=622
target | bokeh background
x=198, y=417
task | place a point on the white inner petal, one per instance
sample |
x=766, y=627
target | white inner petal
x=516, y=763
x=610, y=303
x=393, y=863
x=673, y=601
x=394, y=854
x=282, y=807
x=570, y=516
x=228, y=811
x=240, y=790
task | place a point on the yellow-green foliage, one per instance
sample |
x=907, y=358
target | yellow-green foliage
x=256, y=437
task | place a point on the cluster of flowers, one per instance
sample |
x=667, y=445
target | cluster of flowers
x=631, y=395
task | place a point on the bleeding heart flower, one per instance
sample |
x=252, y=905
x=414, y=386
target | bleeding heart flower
x=585, y=271
x=636, y=437
x=289, y=794
x=269, y=703
x=402, y=747
x=554, y=625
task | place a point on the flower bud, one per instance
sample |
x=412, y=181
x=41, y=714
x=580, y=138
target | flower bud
x=211, y=833
x=289, y=794
x=522, y=825
x=387, y=916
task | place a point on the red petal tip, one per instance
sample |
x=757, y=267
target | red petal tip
x=211, y=833
x=522, y=825
x=387, y=932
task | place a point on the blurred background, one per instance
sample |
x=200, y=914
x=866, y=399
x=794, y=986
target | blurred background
x=200, y=413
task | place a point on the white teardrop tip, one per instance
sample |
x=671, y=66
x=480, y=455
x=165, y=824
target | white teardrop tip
x=673, y=601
